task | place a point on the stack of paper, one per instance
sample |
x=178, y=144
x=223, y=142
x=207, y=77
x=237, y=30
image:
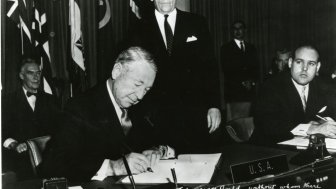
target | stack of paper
x=191, y=168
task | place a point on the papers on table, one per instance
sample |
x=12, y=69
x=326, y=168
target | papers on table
x=301, y=139
x=189, y=168
x=301, y=130
x=302, y=143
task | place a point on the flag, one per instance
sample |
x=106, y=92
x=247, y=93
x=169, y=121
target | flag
x=105, y=40
x=31, y=20
x=20, y=12
x=40, y=40
x=77, y=67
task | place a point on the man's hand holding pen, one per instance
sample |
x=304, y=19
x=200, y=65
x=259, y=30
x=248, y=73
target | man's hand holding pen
x=153, y=156
x=138, y=163
x=325, y=126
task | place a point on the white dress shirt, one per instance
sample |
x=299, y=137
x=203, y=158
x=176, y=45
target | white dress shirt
x=171, y=20
x=238, y=43
x=299, y=89
x=303, y=127
x=31, y=100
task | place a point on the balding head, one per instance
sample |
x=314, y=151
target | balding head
x=304, y=65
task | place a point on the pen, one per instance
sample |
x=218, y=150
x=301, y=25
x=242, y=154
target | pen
x=128, y=170
x=174, y=177
x=323, y=118
x=130, y=150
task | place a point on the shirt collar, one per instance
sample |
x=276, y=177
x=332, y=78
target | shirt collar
x=171, y=18
x=25, y=92
x=300, y=87
x=114, y=102
x=238, y=42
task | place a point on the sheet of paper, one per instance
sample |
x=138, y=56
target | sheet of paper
x=301, y=130
x=304, y=141
x=75, y=187
x=192, y=168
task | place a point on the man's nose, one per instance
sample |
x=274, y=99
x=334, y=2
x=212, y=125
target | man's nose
x=37, y=76
x=305, y=66
x=140, y=93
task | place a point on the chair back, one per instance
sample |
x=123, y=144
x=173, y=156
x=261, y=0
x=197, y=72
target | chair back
x=240, y=129
x=35, y=148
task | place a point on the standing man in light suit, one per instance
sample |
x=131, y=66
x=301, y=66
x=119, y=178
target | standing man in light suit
x=186, y=93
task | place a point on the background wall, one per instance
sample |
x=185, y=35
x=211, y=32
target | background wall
x=272, y=24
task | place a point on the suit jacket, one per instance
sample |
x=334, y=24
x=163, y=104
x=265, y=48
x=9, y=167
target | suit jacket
x=189, y=74
x=21, y=123
x=92, y=133
x=279, y=109
x=237, y=67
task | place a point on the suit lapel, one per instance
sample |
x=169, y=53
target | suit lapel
x=179, y=32
x=157, y=38
x=294, y=98
x=314, y=100
x=108, y=116
x=24, y=102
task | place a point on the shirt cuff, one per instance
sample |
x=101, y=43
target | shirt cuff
x=103, y=172
x=8, y=142
x=167, y=151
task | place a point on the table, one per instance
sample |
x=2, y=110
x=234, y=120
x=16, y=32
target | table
x=231, y=154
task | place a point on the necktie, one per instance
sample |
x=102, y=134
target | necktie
x=125, y=121
x=30, y=94
x=242, y=46
x=304, y=98
x=169, y=34
x=31, y=99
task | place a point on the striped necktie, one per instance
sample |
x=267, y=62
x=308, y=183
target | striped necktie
x=125, y=121
x=169, y=34
x=304, y=98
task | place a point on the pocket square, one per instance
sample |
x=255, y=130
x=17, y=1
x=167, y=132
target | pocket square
x=192, y=38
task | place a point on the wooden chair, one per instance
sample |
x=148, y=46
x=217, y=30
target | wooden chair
x=35, y=148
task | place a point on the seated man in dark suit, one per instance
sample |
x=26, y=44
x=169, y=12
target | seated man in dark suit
x=26, y=113
x=98, y=131
x=292, y=98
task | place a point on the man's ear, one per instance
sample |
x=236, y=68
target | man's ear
x=116, y=71
x=318, y=67
x=290, y=61
x=21, y=75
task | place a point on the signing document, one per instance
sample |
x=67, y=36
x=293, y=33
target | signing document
x=189, y=168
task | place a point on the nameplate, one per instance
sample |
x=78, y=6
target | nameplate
x=254, y=169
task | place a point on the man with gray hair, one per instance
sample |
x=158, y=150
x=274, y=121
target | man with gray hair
x=292, y=98
x=101, y=126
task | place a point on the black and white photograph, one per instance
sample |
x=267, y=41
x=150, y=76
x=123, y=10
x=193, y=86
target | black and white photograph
x=168, y=94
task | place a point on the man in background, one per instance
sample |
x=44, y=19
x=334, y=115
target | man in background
x=27, y=113
x=240, y=69
x=185, y=97
x=292, y=98
x=280, y=63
